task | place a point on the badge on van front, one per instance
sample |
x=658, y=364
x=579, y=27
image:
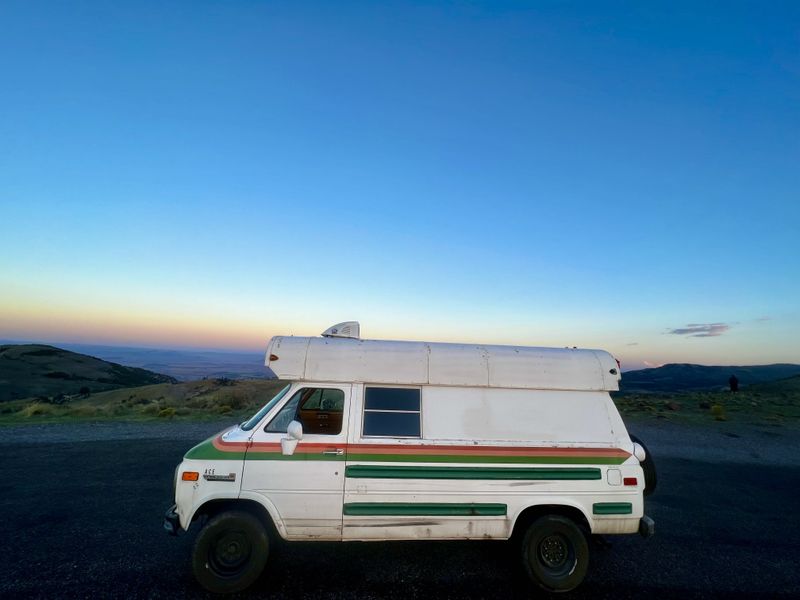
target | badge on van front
x=214, y=477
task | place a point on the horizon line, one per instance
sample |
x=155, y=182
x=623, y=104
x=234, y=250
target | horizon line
x=200, y=349
x=135, y=347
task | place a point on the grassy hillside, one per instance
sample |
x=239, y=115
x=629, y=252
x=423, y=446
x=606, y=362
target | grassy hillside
x=687, y=377
x=788, y=386
x=775, y=403
x=37, y=370
x=205, y=399
x=771, y=403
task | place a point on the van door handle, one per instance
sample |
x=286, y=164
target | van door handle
x=333, y=452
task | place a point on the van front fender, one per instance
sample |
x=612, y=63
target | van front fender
x=222, y=502
x=268, y=506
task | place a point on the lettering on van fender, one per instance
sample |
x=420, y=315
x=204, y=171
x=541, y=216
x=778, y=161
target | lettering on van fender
x=216, y=448
x=210, y=475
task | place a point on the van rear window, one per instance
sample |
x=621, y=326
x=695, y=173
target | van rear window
x=391, y=412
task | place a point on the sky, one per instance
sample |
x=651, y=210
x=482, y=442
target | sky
x=207, y=174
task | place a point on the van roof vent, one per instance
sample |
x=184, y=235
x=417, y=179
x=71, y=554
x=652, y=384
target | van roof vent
x=348, y=329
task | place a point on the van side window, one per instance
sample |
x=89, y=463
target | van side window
x=319, y=410
x=392, y=412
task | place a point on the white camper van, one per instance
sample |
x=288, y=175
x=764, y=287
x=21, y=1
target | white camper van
x=391, y=440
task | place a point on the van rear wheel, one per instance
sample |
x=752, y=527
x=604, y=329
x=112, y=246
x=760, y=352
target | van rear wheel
x=555, y=553
x=230, y=552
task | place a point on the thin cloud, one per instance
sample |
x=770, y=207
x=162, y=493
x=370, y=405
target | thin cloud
x=652, y=365
x=764, y=319
x=701, y=330
x=632, y=344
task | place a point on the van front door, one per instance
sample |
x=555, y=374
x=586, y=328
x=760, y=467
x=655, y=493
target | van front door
x=307, y=487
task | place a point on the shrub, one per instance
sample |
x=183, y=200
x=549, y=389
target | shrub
x=236, y=402
x=150, y=409
x=224, y=409
x=36, y=409
x=719, y=412
x=198, y=403
x=57, y=375
x=83, y=411
x=166, y=413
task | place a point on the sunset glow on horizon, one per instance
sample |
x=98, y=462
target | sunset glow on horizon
x=621, y=179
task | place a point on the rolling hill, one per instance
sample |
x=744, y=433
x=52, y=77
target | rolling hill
x=673, y=378
x=790, y=385
x=30, y=370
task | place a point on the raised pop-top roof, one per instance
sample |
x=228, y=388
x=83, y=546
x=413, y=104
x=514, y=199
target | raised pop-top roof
x=346, y=359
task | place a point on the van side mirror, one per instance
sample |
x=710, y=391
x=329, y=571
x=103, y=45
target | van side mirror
x=295, y=433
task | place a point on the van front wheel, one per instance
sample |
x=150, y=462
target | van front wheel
x=555, y=553
x=230, y=552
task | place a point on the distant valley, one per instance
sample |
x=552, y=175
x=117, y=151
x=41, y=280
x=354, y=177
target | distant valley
x=183, y=365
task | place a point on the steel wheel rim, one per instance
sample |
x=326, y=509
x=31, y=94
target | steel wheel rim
x=553, y=552
x=230, y=553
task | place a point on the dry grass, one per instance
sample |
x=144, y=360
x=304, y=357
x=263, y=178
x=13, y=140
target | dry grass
x=37, y=409
x=194, y=400
x=773, y=405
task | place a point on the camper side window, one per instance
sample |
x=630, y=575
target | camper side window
x=391, y=412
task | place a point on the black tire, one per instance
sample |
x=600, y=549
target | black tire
x=555, y=553
x=230, y=552
x=649, y=468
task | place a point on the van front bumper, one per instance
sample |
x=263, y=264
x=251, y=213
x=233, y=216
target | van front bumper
x=172, y=522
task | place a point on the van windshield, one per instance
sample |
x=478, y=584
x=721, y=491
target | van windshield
x=256, y=418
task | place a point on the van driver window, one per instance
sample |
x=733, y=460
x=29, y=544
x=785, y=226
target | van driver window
x=319, y=411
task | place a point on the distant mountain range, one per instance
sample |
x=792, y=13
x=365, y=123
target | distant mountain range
x=691, y=378
x=184, y=365
x=30, y=370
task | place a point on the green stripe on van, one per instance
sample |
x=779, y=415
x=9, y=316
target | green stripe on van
x=453, y=458
x=425, y=509
x=612, y=508
x=412, y=472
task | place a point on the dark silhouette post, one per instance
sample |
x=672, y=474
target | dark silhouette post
x=734, y=383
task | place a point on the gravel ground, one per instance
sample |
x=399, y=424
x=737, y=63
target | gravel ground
x=83, y=506
x=720, y=442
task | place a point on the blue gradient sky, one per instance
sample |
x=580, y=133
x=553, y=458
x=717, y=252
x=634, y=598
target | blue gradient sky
x=595, y=174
